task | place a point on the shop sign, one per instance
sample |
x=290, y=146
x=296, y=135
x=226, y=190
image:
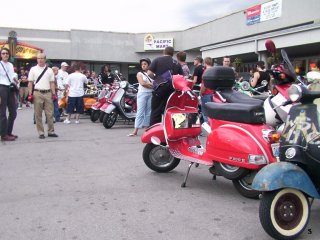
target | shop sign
x=23, y=51
x=264, y=12
x=151, y=43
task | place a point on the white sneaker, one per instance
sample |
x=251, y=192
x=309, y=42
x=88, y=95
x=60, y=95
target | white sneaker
x=77, y=122
x=19, y=108
x=67, y=121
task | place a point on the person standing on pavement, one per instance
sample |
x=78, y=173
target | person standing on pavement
x=105, y=76
x=75, y=87
x=181, y=57
x=23, y=89
x=8, y=98
x=56, y=112
x=206, y=93
x=158, y=67
x=198, y=71
x=61, y=77
x=44, y=94
x=143, y=98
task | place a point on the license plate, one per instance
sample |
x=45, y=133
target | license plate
x=275, y=149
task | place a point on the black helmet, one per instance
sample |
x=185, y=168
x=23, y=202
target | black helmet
x=145, y=60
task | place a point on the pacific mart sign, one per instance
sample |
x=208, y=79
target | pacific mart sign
x=151, y=43
x=264, y=12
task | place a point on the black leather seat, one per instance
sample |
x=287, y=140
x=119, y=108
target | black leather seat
x=237, y=97
x=236, y=112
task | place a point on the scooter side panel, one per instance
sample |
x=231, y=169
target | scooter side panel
x=284, y=175
x=110, y=108
x=232, y=143
x=153, y=131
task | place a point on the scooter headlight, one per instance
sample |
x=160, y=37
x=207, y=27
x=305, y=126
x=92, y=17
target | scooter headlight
x=295, y=93
x=290, y=153
x=123, y=84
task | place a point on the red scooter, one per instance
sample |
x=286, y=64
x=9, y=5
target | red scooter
x=238, y=145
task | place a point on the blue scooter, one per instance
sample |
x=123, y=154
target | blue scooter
x=289, y=187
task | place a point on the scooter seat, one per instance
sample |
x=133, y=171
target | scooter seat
x=237, y=97
x=235, y=112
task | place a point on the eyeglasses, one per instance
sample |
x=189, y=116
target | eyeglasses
x=4, y=53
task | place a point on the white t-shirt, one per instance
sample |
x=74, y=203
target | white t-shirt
x=61, y=78
x=75, y=82
x=3, y=76
x=44, y=82
x=145, y=79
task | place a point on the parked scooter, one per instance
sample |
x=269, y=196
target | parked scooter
x=289, y=185
x=102, y=98
x=124, y=104
x=238, y=145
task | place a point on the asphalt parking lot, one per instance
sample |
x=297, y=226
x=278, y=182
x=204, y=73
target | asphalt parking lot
x=91, y=183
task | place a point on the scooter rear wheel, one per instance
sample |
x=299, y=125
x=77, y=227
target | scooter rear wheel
x=285, y=213
x=243, y=186
x=231, y=172
x=158, y=158
x=95, y=115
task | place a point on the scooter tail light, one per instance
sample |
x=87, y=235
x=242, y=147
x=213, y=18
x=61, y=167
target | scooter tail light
x=257, y=159
x=274, y=137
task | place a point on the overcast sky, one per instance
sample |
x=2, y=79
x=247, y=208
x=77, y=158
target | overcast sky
x=135, y=16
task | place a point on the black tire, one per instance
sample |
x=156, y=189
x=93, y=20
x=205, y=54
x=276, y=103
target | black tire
x=243, y=186
x=101, y=116
x=285, y=213
x=159, y=159
x=109, y=119
x=231, y=172
x=95, y=115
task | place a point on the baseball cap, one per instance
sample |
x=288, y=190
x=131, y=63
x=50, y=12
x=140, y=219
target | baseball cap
x=64, y=64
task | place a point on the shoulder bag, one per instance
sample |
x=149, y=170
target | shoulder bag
x=13, y=87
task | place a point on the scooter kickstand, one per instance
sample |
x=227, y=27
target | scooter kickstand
x=186, y=177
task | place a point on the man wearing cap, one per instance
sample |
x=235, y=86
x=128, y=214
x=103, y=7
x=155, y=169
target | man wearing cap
x=61, y=77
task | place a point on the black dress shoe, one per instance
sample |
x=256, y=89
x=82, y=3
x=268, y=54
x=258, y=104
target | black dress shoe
x=52, y=135
x=41, y=136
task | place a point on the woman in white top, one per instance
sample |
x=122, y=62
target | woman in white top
x=143, y=97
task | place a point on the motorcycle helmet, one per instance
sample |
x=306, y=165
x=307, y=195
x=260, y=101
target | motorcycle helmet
x=145, y=60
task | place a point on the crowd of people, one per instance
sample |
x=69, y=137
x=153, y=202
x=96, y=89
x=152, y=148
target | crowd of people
x=44, y=86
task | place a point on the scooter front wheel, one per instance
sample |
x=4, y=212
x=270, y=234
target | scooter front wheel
x=243, y=186
x=285, y=213
x=158, y=158
x=95, y=115
x=110, y=119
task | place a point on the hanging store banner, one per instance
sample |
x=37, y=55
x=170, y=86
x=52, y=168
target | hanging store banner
x=264, y=12
x=253, y=15
x=23, y=51
x=151, y=43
